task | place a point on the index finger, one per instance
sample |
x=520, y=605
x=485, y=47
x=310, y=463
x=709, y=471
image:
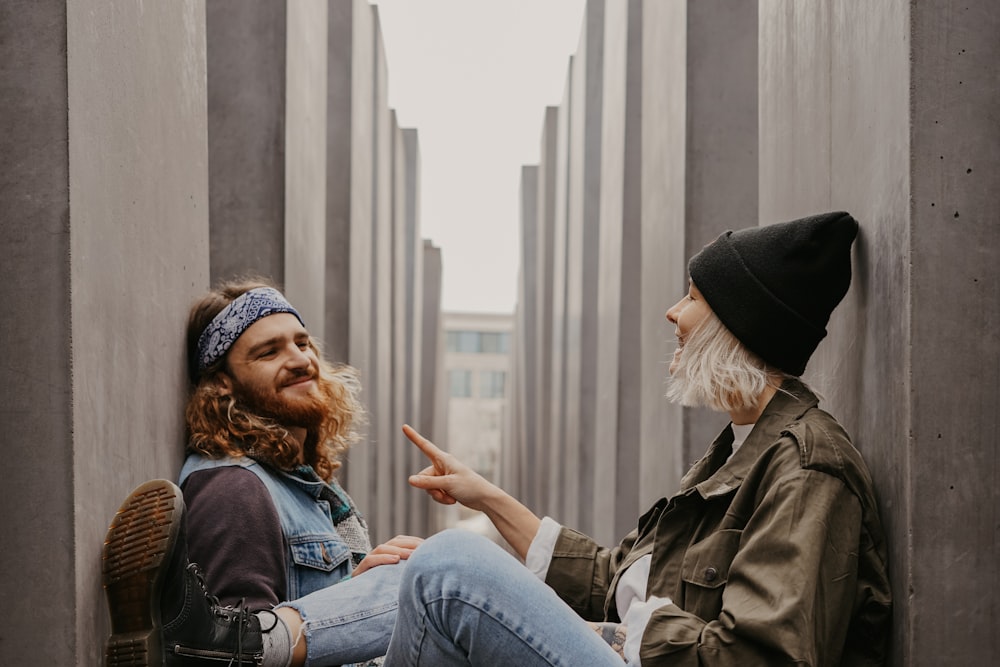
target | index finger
x=423, y=444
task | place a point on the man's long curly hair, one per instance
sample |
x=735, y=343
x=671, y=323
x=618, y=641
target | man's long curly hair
x=220, y=425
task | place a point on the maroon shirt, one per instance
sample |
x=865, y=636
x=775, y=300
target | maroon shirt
x=235, y=537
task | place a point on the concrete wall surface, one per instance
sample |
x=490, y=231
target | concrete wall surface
x=105, y=243
x=246, y=137
x=953, y=286
x=305, y=160
x=755, y=113
x=151, y=149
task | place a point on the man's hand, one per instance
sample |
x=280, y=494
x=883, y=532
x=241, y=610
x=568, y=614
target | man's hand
x=397, y=549
x=447, y=479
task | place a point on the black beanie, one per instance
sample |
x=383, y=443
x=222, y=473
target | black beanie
x=774, y=287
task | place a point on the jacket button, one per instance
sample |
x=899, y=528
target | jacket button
x=326, y=555
x=711, y=573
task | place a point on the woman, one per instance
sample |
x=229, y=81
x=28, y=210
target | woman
x=771, y=553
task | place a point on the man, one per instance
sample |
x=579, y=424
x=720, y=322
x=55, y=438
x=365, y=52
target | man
x=771, y=553
x=262, y=512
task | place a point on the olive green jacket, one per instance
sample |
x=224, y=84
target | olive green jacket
x=775, y=557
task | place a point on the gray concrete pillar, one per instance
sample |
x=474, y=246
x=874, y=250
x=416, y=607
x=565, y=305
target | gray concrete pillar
x=247, y=72
x=349, y=212
x=583, y=215
x=699, y=178
x=543, y=316
x=616, y=447
x=526, y=346
x=883, y=110
x=380, y=378
x=399, y=276
x=555, y=505
x=434, y=405
x=305, y=160
x=417, y=503
x=407, y=286
x=104, y=211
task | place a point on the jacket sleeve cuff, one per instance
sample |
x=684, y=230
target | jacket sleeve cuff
x=635, y=621
x=539, y=554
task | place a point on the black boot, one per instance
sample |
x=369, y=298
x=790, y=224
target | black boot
x=161, y=612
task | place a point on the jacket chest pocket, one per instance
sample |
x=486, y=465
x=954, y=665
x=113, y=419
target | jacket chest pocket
x=705, y=571
x=316, y=562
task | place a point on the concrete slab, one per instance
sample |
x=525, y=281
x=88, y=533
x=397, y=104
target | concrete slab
x=417, y=503
x=305, y=160
x=663, y=257
x=581, y=262
x=543, y=318
x=526, y=398
x=246, y=137
x=380, y=378
x=35, y=384
x=557, y=442
x=433, y=408
x=349, y=207
x=105, y=243
x=609, y=271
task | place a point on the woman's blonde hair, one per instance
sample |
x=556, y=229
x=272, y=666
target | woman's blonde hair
x=220, y=426
x=716, y=370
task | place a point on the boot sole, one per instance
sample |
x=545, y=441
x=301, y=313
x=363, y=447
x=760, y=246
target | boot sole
x=139, y=543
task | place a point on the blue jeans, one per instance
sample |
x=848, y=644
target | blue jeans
x=351, y=621
x=465, y=601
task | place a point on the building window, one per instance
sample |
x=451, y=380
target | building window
x=495, y=343
x=460, y=384
x=478, y=342
x=491, y=384
x=463, y=341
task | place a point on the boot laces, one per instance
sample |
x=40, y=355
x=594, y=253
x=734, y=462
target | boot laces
x=239, y=614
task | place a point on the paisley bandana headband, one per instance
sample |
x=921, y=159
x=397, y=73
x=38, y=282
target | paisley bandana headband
x=235, y=318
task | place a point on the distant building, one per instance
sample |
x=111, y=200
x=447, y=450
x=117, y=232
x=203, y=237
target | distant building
x=477, y=371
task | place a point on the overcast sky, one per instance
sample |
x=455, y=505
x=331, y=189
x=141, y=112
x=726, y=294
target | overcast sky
x=474, y=78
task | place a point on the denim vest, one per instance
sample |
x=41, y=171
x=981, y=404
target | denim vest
x=317, y=556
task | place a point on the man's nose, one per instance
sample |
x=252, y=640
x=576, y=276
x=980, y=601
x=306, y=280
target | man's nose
x=298, y=357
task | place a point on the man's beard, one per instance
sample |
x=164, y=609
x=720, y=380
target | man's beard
x=306, y=412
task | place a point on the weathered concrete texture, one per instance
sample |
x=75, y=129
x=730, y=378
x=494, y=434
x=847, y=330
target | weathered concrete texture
x=400, y=359
x=663, y=273
x=417, y=504
x=609, y=270
x=862, y=366
x=379, y=379
x=616, y=457
x=105, y=243
x=900, y=93
x=246, y=137
x=349, y=206
x=524, y=401
x=555, y=504
x=138, y=255
x=305, y=160
x=409, y=507
x=433, y=417
x=954, y=307
x=543, y=317
x=35, y=379
x=583, y=201
x=721, y=179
